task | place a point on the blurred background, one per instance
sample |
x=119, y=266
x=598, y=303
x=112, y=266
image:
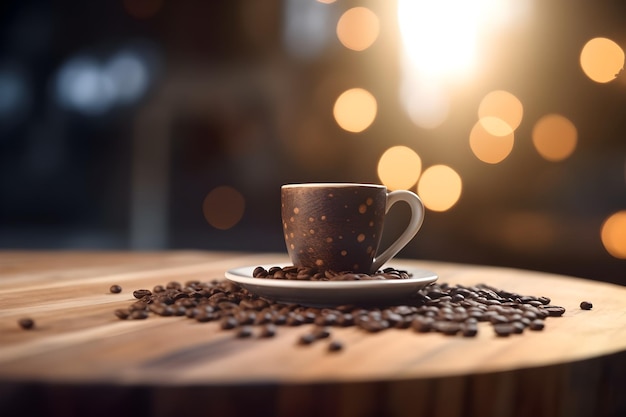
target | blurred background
x=162, y=124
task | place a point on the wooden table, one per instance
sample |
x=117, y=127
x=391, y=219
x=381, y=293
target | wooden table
x=80, y=359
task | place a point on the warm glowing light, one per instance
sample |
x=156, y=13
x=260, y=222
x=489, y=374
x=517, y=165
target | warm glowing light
x=399, y=168
x=488, y=147
x=223, y=207
x=496, y=126
x=439, y=187
x=142, y=9
x=613, y=234
x=426, y=105
x=358, y=28
x=355, y=110
x=500, y=112
x=554, y=137
x=439, y=37
x=602, y=59
x=327, y=1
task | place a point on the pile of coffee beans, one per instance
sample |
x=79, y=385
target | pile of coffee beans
x=439, y=307
x=313, y=274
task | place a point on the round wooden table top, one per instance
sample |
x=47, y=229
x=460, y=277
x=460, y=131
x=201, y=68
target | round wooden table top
x=78, y=342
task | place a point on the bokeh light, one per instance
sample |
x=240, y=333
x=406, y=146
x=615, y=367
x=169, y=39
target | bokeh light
x=488, y=147
x=355, y=110
x=439, y=187
x=426, y=104
x=554, y=137
x=223, y=207
x=399, y=168
x=613, y=234
x=500, y=112
x=15, y=96
x=358, y=28
x=602, y=59
x=308, y=28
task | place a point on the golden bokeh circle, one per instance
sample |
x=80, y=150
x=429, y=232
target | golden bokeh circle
x=554, y=137
x=399, y=168
x=500, y=108
x=358, y=28
x=613, y=234
x=601, y=59
x=488, y=147
x=439, y=187
x=355, y=110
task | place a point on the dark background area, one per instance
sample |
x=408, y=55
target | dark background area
x=225, y=102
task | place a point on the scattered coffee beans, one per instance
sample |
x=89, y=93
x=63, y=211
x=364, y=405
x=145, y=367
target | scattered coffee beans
x=586, y=305
x=26, y=323
x=452, y=310
x=313, y=274
x=115, y=289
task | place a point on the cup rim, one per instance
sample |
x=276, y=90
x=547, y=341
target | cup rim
x=332, y=185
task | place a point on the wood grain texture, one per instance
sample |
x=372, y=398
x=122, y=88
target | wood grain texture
x=574, y=367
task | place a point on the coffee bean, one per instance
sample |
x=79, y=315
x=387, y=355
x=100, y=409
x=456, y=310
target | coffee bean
x=586, y=305
x=268, y=330
x=469, y=329
x=115, y=289
x=503, y=329
x=26, y=323
x=139, y=315
x=335, y=346
x=321, y=332
x=554, y=311
x=259, y=272
x=307, y=339
x=122, y=314
x=228, y=323
x=245, y=332
x=536, y=324
x=141, y=293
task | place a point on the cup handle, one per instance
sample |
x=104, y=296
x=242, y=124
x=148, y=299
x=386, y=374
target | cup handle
x=417, y=218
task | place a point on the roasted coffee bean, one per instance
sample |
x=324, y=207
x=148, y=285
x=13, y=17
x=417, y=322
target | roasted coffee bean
x=228, y=322
x=158, y=289
x=544, y=300
x=245, y=332
x=554, y=311
x=469, y=329
x=259, y=272
x=115, y=289
x=173, y=285
x=321, y=332
x=307, y=339
x=503, y=329
x=141, y=293
x=422, y=324
x=139, y=314
x=335, y=346
x=449, y=328
x=536, y=324
x=586, y=305
x=121, y=313
x=268, y=330
x=26, y=323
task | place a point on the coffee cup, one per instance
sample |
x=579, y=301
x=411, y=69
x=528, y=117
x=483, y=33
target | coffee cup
x=338, y=226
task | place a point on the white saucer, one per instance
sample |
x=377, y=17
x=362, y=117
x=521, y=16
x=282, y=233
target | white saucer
x=334, y=293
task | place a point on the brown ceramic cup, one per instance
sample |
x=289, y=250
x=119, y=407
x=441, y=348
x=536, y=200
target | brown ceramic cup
x=338, y=226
